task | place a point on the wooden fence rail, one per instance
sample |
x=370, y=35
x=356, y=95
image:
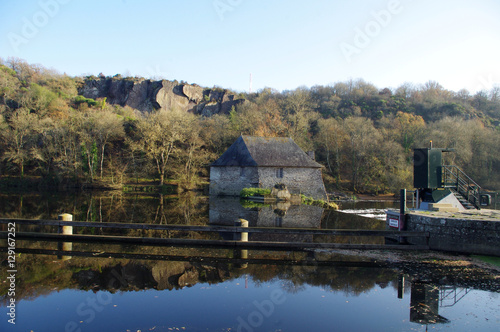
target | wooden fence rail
x=215, y=243
x=242, y=243
x=217, y=228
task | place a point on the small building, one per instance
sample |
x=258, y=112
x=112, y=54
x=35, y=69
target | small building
x=444, y=187
x=262, y=162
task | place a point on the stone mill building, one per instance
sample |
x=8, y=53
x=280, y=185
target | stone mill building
x=262, y=162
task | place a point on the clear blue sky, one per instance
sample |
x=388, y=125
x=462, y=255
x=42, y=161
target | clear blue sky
x=283, y=43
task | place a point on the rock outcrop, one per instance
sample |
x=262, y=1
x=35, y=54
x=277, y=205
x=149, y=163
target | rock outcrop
x=147, y=95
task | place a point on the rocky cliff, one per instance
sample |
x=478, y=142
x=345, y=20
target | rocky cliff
x=147, y=95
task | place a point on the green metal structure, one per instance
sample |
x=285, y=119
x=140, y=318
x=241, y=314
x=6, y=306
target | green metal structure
x=427, y=168
x=433, y=179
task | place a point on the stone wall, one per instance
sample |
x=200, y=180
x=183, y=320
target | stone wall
x=307, y=181
x=229, y=180
x=459, y=235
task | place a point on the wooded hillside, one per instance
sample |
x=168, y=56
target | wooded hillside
x=362, y=134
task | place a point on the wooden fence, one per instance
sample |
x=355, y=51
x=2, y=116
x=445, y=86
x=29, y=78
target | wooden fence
x=65, y=233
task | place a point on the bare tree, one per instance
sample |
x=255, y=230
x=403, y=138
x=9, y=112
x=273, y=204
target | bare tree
x=363, y=144
x=107, y=127
x=19, y=137
x=158, y=135
x=332, y=139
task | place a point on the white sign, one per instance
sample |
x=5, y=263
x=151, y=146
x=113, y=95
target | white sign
x=393, y=222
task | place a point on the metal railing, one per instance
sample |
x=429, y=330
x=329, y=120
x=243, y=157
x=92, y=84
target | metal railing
x=454, y=178
x=450, y=295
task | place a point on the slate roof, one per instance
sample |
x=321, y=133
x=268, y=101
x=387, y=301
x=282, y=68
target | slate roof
x=265, y=151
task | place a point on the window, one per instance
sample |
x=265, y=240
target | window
x=279, y=172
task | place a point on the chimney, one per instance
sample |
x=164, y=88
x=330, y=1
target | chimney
x=311, y=154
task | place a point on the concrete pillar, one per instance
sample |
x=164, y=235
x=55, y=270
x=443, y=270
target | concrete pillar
x=65, y=246
x=65, y=229
x=243, y=237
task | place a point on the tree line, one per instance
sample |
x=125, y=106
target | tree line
x=363, y=135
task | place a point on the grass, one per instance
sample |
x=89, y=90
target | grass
x=488, y=259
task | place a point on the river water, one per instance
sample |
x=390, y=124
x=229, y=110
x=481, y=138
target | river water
x=110, y=287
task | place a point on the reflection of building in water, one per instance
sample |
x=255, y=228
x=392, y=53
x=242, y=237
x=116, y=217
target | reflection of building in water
x=424, y=304
x=226, y=210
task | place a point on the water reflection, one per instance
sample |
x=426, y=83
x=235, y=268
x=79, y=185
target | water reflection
x=129, y=269
x=186, y=210
x=424, y=303
x=224, y=211
x=182, y=275
x=108, y=207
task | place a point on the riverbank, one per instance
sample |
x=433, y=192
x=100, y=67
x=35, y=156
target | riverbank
x=31, y=184
x=376, y=198
x=425, y=257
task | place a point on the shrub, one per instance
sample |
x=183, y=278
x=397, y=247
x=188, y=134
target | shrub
x=81, y=99
x=247, y=192
x=321, y=203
